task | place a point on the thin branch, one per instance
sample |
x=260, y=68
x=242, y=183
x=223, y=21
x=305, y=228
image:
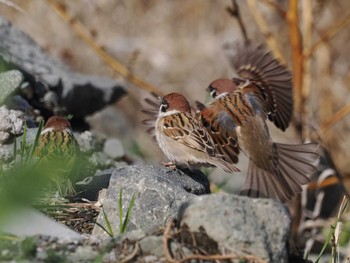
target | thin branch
x=297, y=58
x=340, y=114
x=307, y=22
x=85, y=35
x=328, y=35
x=236, y=13
x=276, y=6
x=13, y=5
x=264, y=28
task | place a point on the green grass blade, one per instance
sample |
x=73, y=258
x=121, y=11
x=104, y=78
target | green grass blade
x=108, y=224
x=15, y=149
x=104, y=229
x=120, y=210
x=328, y=239
x=128, y=214
x=24, y=142
x=36, y=141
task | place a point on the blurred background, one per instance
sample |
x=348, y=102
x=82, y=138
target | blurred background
x=182, y=46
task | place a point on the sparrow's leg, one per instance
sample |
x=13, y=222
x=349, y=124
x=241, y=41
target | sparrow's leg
x=171, y=165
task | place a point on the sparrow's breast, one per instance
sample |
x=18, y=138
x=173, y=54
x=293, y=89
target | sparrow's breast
x=254, y=139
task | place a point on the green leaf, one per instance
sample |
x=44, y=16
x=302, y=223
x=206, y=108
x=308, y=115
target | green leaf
x=120, y=211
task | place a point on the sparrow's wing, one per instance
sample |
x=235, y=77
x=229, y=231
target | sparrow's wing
x=260, y=66
x=186, y=129
x=152, y=113
x=222, y=129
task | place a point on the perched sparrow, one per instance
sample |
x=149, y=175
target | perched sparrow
x=58, y=150
x=182, y=137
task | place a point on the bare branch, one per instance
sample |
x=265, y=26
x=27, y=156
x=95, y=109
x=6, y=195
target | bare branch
x=85, y=35
x=264, y=28
x=235, y=12
x=328, y=35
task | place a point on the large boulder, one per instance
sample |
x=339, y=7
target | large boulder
x=80, y=94
x=241, y=225
x=159, y=193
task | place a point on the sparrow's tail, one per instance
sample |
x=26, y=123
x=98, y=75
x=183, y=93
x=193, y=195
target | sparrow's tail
x=291, y=168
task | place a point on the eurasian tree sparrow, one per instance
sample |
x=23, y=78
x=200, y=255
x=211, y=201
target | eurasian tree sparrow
x=182, y=137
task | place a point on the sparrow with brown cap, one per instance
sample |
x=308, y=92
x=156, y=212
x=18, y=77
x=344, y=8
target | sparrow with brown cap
x=182, y=137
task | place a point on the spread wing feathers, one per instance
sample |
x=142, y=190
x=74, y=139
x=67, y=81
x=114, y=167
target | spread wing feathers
x=221, y=129
x=152, y=113
x=259, y=66
x=186, y=129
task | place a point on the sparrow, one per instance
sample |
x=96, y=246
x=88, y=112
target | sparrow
x=182, y=137
x=58, y=150
x=239, y=113
x=236, y=121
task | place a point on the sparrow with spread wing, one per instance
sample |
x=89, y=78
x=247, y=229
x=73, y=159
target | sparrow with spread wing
x=236, y=120
x=182, y=137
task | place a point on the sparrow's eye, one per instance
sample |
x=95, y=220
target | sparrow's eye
x=164, y=106
x=213, y=93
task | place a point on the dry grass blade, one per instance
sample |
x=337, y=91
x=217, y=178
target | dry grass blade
x=340, y=114
x=264, y=28
x=84, y=34
x=328, y=35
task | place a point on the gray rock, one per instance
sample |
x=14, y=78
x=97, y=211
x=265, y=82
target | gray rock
x=152, y=245
x=24, y=222
x=9, y=82
x=4, y=137
x=113, y=148
x=90, y=187
x=243, y=225
x=80, y=94
x=159, y=194
x=86, y=141
x=11, y=122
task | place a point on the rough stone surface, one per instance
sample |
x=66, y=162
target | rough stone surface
x=11, y=123
x=159, y=194
x=113, y=148
x=9, y=82
x=243, y=225
x=90, y=187
x=80, y=94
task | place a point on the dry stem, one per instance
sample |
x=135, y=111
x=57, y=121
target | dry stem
x=340, y=114
x=235, y=12
x=264, y=28
x=85, y=35
x=328, y=35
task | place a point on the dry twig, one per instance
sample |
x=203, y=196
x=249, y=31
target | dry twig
x=276, y=6
x=84, y=34
x=264, y=28
x=340, y=114
x=328, y=35
x=236, y=13
x=297, y=58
